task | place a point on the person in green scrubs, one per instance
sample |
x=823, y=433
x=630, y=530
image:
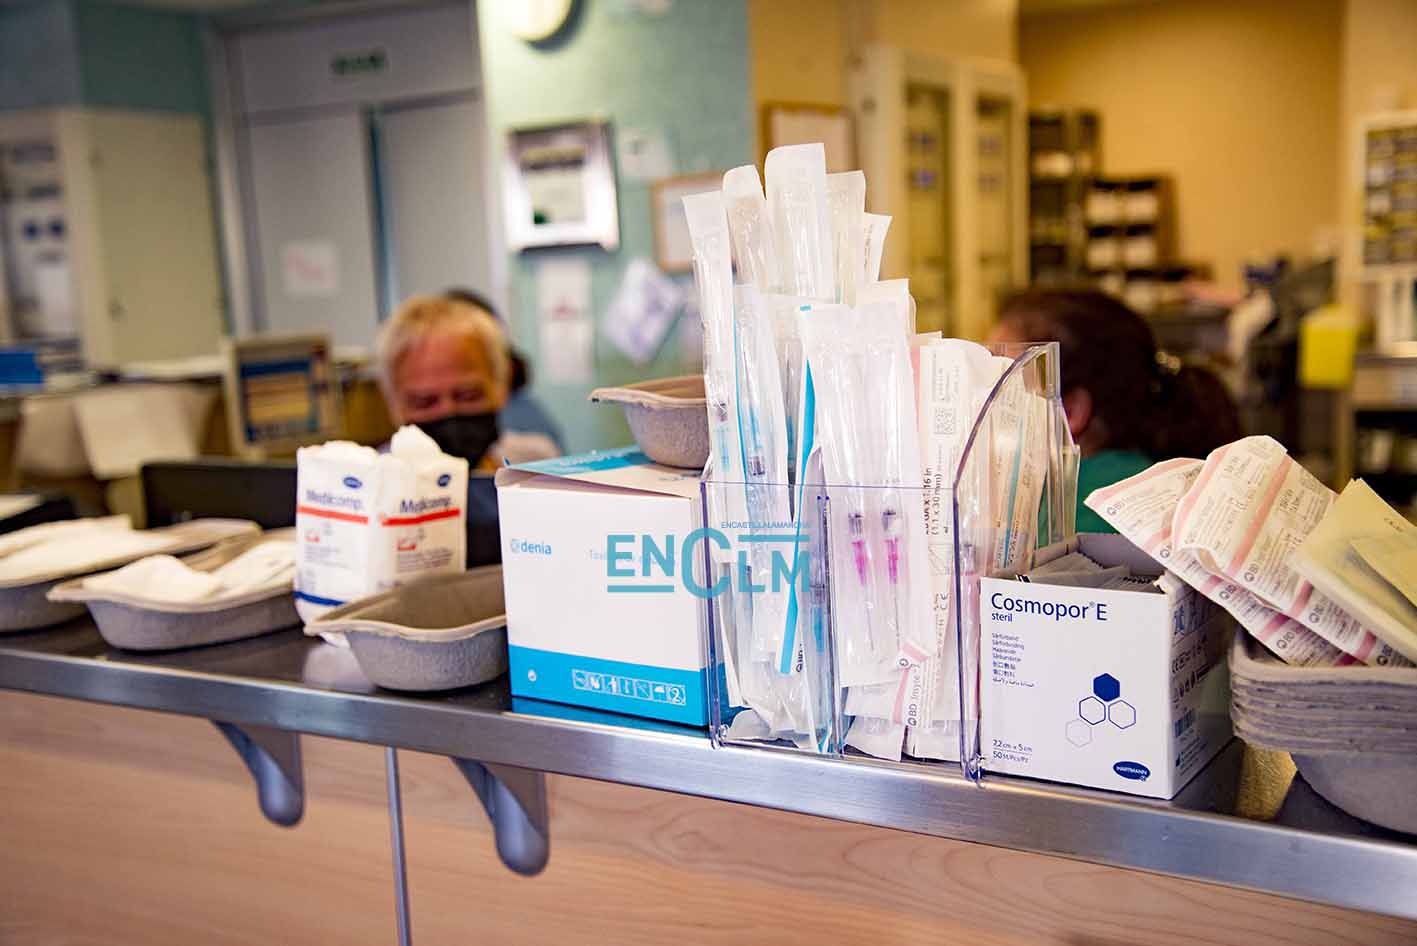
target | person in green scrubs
x=1129, y=404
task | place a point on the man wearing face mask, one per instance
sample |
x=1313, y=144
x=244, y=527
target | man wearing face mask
x=444, y=366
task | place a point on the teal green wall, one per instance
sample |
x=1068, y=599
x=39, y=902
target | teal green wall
x=133, y=57
x=39, y=62
x=683, y=73
x=56, y=53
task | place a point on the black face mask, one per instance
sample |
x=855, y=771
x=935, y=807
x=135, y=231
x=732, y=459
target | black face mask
x=463, y=435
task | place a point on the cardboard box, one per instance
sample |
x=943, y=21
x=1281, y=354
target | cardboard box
x=1116, y=689
x=599, y=613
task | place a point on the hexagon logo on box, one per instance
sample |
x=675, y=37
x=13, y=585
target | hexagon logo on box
x=1105, y=704
x=1079, y=732
x=1106, y=687
x=1122, y=714
x=1092, y=710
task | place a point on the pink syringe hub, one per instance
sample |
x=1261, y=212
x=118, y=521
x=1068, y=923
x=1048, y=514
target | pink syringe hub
x=858, y=553
x=893, y=560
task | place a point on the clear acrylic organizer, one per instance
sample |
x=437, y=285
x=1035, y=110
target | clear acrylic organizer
x=802, y=634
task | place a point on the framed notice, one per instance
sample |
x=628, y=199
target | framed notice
x=560, y=186
x=672, y=250
x=787, y=123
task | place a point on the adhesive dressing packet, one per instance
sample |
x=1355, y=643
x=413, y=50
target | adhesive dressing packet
x=1332, y=559
x=1142, y=508
x=1251, y=506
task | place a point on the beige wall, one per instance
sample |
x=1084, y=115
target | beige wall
x=800, y=48
x=1236, y=99
x=1379, y=65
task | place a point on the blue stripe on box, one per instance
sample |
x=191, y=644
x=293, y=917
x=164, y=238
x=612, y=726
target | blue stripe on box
x=593, y=462
x=316, y=599
x=678, y=696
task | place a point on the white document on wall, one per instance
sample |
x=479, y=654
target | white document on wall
x=310, y=268
x=643, y=154
x=643, y=311
x=567, y=336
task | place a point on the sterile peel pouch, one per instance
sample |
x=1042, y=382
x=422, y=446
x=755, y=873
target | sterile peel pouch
x=801, y=219
x=897, y=290
x=713, y=273
x=1142, y=508
x=955, y=376
x=871, y=446
x=367, y=522
x=762, y=436
x=750, y=226
x=846, y=198
x=1250, y=506
x=874, y=230
x=1332, y=559
x=876, y=737
x=787, y=338
x=1019, y=419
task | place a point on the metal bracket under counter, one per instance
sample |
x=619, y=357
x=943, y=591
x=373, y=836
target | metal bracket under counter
x=1274, y=837
x=513, y=798
x=515, y=802
x=272, y=756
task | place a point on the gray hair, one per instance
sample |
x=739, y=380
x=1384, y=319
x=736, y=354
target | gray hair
x=421, y=316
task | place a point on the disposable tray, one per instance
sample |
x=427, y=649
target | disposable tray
x=135, y=623
x=436, y=634
x=668, y=418
x=1351, y=730
x=25, y=603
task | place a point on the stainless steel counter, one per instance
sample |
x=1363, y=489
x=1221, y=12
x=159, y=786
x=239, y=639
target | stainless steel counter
x=1246, y=821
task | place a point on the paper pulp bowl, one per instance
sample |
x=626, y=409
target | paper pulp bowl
x=668, y=418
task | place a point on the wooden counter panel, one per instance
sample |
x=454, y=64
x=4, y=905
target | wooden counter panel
x=126, y=827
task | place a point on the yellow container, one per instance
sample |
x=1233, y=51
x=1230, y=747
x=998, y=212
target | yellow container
x=1328, y=340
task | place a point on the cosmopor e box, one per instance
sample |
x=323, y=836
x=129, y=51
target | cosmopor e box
x=1117, y=689
x=599, y=613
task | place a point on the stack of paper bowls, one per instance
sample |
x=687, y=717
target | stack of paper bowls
x=1351, y=730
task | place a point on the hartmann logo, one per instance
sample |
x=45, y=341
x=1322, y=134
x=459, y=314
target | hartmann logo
x=763, y=561
x=523, y=547
x=1006, y=606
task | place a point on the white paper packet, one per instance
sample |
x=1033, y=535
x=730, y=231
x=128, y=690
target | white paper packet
x=1250, y=507
x=1330, y=558
x=1142, y=507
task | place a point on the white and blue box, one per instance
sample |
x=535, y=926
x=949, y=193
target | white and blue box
x=599, y=560
x=1121, y=689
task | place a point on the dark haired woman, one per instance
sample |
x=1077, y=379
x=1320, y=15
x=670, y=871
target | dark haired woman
x=1128, y=403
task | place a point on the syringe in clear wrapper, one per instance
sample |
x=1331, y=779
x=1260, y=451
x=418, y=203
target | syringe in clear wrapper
x=891, y=528
x=861, y=558
x=722, y=433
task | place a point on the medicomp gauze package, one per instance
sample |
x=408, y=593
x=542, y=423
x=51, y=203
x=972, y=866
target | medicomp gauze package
x=367, y=522
x=1122, y=688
